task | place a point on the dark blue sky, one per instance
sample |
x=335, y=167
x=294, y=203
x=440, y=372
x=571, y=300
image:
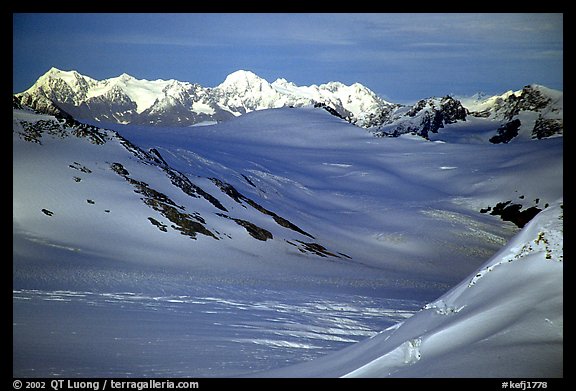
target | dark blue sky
x=402, y=57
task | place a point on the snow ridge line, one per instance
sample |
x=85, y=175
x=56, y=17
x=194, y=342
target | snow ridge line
x=551, y=249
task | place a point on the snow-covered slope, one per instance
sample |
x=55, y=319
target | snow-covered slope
x=505, y=320
x=77, y=187
x=284, y=234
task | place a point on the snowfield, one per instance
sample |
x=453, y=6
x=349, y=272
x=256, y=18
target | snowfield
x=283, y=243
x=504, y=320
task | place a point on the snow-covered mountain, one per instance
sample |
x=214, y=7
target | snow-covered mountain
x=279, y=236
x=425, y=117
x=125, y=99
x=534, y=112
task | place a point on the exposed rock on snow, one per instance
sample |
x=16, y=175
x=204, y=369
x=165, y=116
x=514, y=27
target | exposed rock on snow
x=425, y=117
x=506, y=132
x=513, y=212
x=33, y=127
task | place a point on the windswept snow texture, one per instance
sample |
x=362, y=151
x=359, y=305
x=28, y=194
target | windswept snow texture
x=276, y=238
x=505, y=320
x=206, y=331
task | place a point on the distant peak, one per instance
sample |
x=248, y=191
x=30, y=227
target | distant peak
x=69, y=77
x=124, y=77
x=281, y=82
x=58, y=72
x=241, y=77
x=243, y=73
x=54, y=70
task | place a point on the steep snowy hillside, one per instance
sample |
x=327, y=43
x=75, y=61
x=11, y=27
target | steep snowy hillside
x=505, y=320
x=273, y=238
x=97, y=187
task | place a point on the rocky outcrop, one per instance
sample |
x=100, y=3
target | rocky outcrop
x=506, y=132
x=425, y=117
x=535, y=111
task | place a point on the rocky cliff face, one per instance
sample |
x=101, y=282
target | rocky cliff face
x=426, y=116
x=534, y=111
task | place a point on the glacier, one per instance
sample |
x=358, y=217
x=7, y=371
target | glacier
x=377, y=261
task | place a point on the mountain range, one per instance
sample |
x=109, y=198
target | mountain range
x=534, y=111
x=322, y=234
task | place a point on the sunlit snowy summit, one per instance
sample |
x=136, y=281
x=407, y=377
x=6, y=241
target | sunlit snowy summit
x=125, y=99
x=533, y=112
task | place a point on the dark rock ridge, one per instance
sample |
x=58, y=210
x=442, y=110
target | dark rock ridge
x=546, y=106
x=506, y=132
x=513, y=212
x=425, y=117
x=535, y=112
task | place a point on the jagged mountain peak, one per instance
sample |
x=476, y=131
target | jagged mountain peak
x=541, y=88
x=282, y=82
x=56, y=72
x=172, y=102
x=424, y=117
x=71, y=77
x=125, y=99
x=125, y=76
x=495, y=103
x=242, y=78
x=533, y=112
